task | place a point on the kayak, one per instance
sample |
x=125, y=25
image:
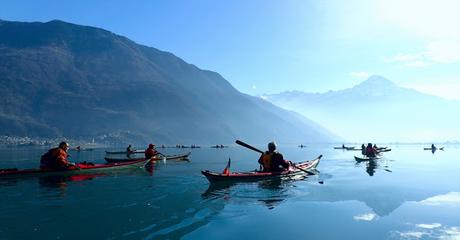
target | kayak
x=81, y=149
x=83, y=168
x=155, y=158
x=441, y=148
x=124, y=152
x=346, y=148
x=364, y=158
x=214, y=177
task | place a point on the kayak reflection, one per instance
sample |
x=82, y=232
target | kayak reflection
x=372, y=165
x=269, y=193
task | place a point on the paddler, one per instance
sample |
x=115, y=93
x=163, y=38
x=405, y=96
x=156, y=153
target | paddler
x=129, y=150
x=272, y=161
x=56, y=158
x=371, y=151
x=150, y=151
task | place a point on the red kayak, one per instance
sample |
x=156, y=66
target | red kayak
x=82, y=168
x=301, y=168
x=155, y=158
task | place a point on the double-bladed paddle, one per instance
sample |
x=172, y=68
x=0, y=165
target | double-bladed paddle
x=257, y=150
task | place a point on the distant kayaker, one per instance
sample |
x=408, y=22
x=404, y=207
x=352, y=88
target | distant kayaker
x=129, y=150
x=56, y=158
x=150, y=151
x=370, y=150
x=363, y=149
x=432, y=146
x=273, y=161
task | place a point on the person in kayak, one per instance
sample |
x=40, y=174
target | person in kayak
x=432, y=146
x=370, y=150
x=363, y=149
x=129, y=149
x=272, y=161
x=56, y=158
x=150, y=151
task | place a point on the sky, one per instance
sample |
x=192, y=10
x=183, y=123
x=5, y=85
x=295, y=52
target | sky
x=270, y=46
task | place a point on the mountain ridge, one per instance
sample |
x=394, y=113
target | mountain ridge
x=387, y=111
x=62, y=79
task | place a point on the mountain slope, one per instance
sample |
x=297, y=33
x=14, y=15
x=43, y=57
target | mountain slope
x=61, y=79
x=377, y=110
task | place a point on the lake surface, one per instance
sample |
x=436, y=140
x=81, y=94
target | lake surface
x=408, y=194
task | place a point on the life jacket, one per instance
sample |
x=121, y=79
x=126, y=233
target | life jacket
x=55, y=158
x=267, y=160
x=370, y=152
x=150, y=152
x=45, y=159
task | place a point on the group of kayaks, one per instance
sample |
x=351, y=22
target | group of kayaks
x=113, y=164
x=300, y=168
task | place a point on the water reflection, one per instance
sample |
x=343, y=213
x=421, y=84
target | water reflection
x=270, y=193
x=59, y=184
x=372, y=165
x=428, y=231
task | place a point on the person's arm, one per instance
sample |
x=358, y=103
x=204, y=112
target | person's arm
x=61, y=159
x=284, y=163
x=278, y=159
x=261, y=161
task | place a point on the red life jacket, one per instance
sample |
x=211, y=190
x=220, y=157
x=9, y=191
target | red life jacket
x=267, y=159
x=55, y=158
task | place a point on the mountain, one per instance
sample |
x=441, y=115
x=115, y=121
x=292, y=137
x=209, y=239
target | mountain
x=62, y=79
x=377, y=110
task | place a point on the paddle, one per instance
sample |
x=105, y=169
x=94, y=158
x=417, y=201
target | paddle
x=148, y=161
x=257, y=150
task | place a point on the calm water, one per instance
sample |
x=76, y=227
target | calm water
x=409, y=194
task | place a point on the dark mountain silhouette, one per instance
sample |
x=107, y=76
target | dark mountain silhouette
x=61, y=79
x=377, y=110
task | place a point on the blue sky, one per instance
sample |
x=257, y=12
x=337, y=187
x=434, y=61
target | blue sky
x=272, y=46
